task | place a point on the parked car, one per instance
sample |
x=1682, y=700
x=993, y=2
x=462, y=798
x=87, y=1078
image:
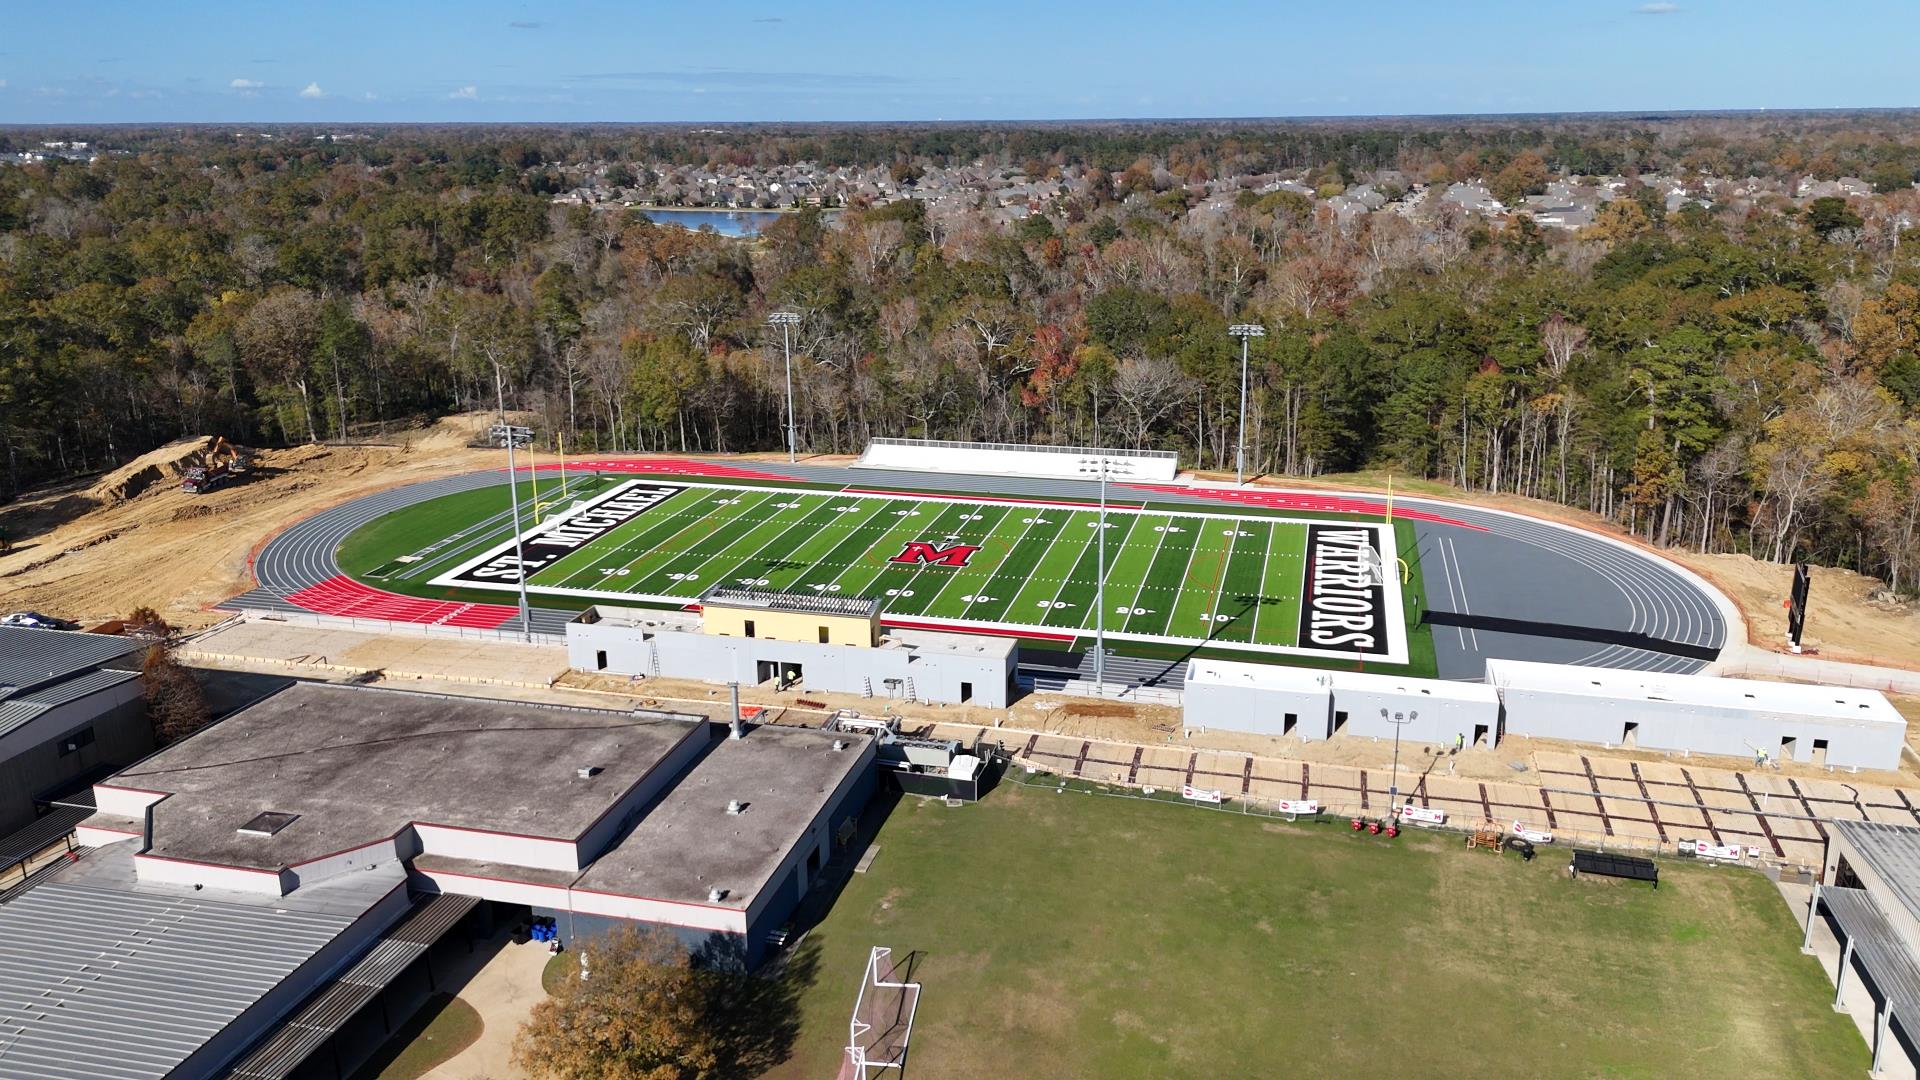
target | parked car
x=35, y=620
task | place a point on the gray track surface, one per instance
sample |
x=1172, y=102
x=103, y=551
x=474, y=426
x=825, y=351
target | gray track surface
x=1519, y=568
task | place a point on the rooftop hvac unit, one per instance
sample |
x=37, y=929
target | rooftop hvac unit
x=586, y=772
x=715, y=895
x=734, y=807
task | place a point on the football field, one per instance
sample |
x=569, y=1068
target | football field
x=1320, y=587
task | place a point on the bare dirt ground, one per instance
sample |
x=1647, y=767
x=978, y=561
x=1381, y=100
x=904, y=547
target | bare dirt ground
x=95, y=549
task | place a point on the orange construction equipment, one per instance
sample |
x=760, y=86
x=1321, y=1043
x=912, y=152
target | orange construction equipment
x=220, y=463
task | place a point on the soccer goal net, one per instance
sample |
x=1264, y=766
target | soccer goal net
x=882, y=1018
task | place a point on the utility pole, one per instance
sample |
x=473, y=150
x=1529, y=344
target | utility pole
x=1245, y=332
x=786, y=320
x=510, y=434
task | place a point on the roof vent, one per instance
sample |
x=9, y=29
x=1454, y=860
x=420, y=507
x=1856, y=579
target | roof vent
x=715, y=895
x=839, y=745
x=736, y=807
x=587, y=772
x=268, y=822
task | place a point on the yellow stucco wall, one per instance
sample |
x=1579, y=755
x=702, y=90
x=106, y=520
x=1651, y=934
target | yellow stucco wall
x=789, y=625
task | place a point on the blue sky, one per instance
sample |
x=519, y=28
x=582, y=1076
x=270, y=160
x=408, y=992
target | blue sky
x=426, y=60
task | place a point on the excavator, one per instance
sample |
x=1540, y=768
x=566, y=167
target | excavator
x=220, y=464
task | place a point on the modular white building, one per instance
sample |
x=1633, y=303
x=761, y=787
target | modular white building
x=1268, y=699
x=1821, y=725
x=958, y=669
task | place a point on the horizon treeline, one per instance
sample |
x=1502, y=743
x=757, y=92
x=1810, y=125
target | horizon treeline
x=1743, y=377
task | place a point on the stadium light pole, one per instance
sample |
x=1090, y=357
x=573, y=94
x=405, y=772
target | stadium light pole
x=1100, y=590
x=509, y=435
x=1398, y=720
x=786, y=320
x=1246, y=332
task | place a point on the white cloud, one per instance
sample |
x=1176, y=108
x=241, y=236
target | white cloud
x=369, y=96
x=3, y=84
x=313, y=92
x=466, y=93
x=1661, y=8
x=246, y=84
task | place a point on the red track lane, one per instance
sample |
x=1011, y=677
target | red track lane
x=668, y=466
x=1282, y=500
x=340, y=595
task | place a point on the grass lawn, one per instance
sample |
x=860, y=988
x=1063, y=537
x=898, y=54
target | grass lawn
x=1076, y=935
x=443, y=1027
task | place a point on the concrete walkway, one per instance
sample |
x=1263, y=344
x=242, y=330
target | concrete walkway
x=1857, y=1001
x=503, y=992
x=1740, y=658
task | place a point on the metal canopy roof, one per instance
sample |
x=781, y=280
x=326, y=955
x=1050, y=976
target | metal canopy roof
x=30, y=658
x=97, y=984
x=283, y=1051
x=1881, y=951
x=1892, y=852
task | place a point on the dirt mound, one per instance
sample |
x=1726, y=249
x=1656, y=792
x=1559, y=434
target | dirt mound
x=1847, y=618
x=162, y=466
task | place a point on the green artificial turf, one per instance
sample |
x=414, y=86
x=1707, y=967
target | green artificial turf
x=1215, y=582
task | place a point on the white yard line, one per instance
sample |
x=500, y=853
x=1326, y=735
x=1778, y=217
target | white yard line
x=1260, y=589
x=744, y=560
x=995, y=572
x=879, y=509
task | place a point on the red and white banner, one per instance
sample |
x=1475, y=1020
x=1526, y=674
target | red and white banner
x=1423, y=815
x=1299, y=806
x=1728, y=852
x=1535, y=835
x=1188, y=791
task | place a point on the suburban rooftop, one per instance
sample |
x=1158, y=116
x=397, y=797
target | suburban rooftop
x=688, y=844
x=355, y=765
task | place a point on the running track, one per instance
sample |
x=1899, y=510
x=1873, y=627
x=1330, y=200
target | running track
x=1498, y=584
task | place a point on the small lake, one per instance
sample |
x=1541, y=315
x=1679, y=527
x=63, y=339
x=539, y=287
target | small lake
x=724, y=222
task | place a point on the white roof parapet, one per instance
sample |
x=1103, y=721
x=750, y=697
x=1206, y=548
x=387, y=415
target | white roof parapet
x=1845, y=704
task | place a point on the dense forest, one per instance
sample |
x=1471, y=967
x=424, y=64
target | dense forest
x=1739, y=377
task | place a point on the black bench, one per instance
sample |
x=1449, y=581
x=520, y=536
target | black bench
x=1610, y=865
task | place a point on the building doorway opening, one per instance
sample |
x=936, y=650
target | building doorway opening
x=600, y=660
x=1339, y=722
x=1788, y=746
x=1819, y=751
x=766, y=671
x=966, y=692
x=1630, y=733
x=1479, y=734
x=1289, y=722
x=749, y=628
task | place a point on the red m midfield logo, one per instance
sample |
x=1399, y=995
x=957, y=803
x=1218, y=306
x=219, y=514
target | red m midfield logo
x=919, y=551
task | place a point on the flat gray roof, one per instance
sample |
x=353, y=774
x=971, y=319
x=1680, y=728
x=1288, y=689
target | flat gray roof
x=357, y=764
x=30, y=657
x=1854, y=706
x=688, y=843
x=103, y=980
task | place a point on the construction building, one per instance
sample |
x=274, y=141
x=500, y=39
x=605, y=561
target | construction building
x=794, y=641
x=1268, y=699
x=71, y=708
x=1820, y=725
x=261, y=883
x=1700, y=714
